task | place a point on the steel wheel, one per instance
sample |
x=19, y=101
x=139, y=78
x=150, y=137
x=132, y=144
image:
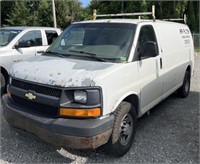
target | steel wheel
x=126, y=129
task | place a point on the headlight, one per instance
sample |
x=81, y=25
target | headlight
x=80, y=97
x=81, y=102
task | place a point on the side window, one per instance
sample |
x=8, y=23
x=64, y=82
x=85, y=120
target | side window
x=147, y=34
x=147, y=43
x=33, y=38
x=51, y=36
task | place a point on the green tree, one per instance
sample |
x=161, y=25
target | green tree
x=18, y=16
x=62, y=10
x=197, y=14
x=45, y=14
x=32, y=16
x=74, y=10
x=85, y=14
x=107, y=7
x=113, y=7
x=5, y=7
x=143, y=6
x=22, y=13
x=191, y=20
x=67, y=12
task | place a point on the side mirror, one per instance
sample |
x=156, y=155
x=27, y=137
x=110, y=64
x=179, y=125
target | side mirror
x=23, y=44
x=148, y=49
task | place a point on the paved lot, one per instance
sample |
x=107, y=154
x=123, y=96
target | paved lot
x=170, y=134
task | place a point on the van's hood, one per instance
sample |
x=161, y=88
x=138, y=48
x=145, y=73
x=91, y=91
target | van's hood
x=59, y=71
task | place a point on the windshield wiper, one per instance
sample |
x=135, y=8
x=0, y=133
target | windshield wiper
x=91, y=55
x=55, y=54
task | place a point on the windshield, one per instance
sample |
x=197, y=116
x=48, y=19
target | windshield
x=7, y=35
x=108, y=41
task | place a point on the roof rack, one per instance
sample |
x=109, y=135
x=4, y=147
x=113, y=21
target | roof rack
x=184, y=19
x=95, y=15
x=139, y=14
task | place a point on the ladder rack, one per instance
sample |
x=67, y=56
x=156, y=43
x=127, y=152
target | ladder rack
x=184, y=19
x=95, y=15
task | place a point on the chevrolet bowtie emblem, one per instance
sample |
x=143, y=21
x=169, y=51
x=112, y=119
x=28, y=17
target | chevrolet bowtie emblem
x=30, y=96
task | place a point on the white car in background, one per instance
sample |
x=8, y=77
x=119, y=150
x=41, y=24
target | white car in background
x=19, y=43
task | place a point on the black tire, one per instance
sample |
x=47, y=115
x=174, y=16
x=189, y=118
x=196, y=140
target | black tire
x=184, y=90
x=124, y=130
x=3, y=84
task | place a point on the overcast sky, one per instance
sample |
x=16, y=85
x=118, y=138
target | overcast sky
x=85, y=2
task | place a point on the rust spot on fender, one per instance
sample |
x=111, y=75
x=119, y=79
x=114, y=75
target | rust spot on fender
x=66, y=142
x=85, y=141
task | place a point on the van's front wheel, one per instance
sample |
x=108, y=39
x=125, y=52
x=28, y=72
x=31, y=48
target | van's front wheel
x=184, y=90
x=123, y=130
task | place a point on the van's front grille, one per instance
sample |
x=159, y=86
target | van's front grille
x=37, y=88
x=34, y=107
x=18, y=90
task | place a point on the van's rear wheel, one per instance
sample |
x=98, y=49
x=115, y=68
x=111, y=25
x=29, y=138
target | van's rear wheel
x=124, y=130
x=184, y=90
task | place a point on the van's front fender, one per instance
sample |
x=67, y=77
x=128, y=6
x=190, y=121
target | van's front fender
x=125, y=97
x=117, y=83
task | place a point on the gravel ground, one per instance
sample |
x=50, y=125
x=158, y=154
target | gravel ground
x=170, y=134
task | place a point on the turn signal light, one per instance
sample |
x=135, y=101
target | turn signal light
x=94, y=112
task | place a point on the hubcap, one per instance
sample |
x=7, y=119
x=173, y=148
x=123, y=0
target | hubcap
x=126, y=129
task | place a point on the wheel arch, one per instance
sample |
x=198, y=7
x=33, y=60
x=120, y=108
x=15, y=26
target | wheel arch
x=189, y=69
x=132, y=98
x=5, y=73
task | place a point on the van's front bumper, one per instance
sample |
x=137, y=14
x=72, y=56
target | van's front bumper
x=73, y=133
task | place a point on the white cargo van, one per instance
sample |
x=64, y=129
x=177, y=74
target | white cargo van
x=18, y=43
x=96, y=79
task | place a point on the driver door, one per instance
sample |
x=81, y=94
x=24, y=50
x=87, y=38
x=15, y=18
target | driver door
x=150, y=69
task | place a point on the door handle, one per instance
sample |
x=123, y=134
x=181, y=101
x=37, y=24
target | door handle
x=161, y=64
x=17, y=60
x=39, y=52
